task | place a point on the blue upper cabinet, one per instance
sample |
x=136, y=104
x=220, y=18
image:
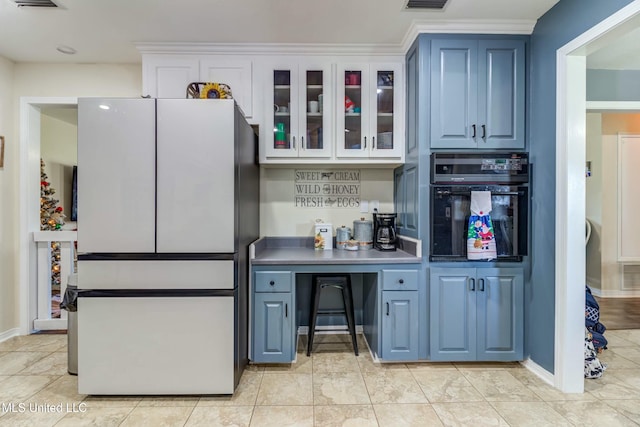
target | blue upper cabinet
x=478, y=93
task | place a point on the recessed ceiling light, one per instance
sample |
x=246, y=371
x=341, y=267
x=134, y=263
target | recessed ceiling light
x=67, y=50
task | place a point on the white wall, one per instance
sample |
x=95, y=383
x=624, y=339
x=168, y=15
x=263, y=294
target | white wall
x=279, y=216
x=606, y=226
x=8, y=187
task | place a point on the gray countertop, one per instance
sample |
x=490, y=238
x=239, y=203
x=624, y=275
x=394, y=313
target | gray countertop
x=299, y=250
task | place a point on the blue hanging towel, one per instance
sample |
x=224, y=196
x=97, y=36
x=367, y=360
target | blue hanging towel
x=481, y=242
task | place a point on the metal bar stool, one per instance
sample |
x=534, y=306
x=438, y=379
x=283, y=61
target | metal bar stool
x=342, y=282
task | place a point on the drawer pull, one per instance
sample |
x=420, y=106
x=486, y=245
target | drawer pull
x=401, y=281
x=272, y=283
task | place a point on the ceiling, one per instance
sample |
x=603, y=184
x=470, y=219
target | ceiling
x=105, y=31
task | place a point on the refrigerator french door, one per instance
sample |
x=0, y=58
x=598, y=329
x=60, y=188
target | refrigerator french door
x=161, y=270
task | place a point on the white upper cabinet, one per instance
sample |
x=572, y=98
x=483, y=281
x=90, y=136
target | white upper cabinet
x=298, y=99
x=298, y=123
x=235, y=72
x=370, y=111
x=167, y=76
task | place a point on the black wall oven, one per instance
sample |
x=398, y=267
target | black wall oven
x=453, y=177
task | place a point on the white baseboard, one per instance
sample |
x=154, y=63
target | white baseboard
x=9, y=334
x=615, y=293
x=539, y=371
x=49, y=324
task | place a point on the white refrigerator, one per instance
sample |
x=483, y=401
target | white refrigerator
x=168, y=202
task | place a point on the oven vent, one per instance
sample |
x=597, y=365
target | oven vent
x=425, y=4
x=35, y=3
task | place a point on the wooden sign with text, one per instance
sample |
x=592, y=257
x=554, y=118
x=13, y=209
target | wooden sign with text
x=320, y=188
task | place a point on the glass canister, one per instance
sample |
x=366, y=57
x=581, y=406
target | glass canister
x=343, y=234
x=363, y=233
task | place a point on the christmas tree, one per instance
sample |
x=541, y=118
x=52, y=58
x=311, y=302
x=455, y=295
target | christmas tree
x=51, y=218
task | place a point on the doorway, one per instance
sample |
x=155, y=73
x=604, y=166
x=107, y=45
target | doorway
x=29, y=201
x=570, y=192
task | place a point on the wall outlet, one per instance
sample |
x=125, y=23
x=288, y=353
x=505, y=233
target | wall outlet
x=364, y=206
x=374, y=204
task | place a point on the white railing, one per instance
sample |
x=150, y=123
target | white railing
x=43, y=240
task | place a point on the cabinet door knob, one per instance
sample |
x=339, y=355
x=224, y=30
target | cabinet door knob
x=401, y=281
x=272, y=283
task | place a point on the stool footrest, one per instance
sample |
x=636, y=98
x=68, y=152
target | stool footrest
x=331, y=312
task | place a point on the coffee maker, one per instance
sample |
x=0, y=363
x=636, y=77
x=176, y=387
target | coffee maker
x=384, y=231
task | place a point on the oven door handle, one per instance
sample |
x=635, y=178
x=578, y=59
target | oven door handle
x=468, y=192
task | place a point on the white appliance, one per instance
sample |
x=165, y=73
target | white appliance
x=168, y=202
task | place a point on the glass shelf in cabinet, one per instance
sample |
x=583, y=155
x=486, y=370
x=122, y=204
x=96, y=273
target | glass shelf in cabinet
x=282, y=87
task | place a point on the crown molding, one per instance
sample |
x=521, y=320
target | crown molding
x=416, y=28
x=269, y=48
x=466, y=26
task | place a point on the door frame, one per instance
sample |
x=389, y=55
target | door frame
x=571, y=109
x=29, y=203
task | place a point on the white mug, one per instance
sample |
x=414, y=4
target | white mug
x=283, y=109
x=313, y=106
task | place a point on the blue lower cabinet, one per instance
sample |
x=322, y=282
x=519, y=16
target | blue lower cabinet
x=400, y=319
x=477, y=314
x=400, y=325
x=273, y=317
x=272, y=328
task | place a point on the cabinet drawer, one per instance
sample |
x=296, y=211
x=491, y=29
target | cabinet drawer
x=273, y=281
x=399, y=280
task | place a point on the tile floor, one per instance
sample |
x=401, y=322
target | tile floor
x=332, y=388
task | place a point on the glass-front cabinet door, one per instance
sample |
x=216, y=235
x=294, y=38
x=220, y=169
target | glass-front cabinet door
x=314, y=112
x=298, y=120
x=282, y=127
x=385, y=112
x=353, y=139
x=369, y=111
